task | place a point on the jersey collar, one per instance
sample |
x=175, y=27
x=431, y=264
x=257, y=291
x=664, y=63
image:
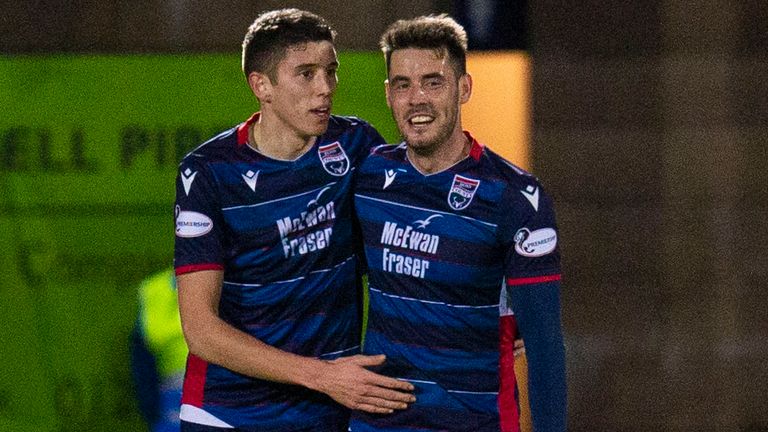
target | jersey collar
x=476, y=149
x=242, y=130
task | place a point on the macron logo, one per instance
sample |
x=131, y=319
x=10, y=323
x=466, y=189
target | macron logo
x=532, y=194
x=187, y=177
x=250, y=179
x=389, y=177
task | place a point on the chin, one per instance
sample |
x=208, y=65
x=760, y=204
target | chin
x=421, y=147
x=317, y=130
x=421, y=141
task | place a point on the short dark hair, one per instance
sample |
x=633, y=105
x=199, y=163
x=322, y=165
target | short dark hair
x=438, y=32
x=273, y=32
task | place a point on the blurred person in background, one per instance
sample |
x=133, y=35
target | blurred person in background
x=462, y=254
x=158, y=352
x=493, y=24
x=265, y=258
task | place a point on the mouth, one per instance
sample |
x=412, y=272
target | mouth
x=322, y=112
x=420, y=120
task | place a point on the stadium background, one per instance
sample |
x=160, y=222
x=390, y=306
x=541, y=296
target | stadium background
x=648, y=125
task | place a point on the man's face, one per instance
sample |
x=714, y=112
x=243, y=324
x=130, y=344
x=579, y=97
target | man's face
x=302, y=95
x=425, y=95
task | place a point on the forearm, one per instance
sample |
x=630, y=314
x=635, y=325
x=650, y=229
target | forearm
x=346, y=380
x=537, y=310
x=547, y=386
x=215, y=341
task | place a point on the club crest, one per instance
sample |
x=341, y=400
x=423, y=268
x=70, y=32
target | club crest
x=334, y=159
x=462, y=191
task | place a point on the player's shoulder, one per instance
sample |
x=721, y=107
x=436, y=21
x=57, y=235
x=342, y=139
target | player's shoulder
x=339, y=125
x=214, y=149
x=385, y=156
x=508, y=172
x=522, y=192
x=389, y=151
x=355, y=135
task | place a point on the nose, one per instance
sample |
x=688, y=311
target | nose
x=417, y=95
x=326, y=83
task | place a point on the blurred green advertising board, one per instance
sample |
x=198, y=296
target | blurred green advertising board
x=88, y=151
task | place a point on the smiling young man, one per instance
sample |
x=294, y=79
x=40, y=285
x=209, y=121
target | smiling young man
x=456, y=239
x=265, y=260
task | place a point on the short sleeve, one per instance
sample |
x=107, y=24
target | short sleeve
x=530, y=236
x=199, y=242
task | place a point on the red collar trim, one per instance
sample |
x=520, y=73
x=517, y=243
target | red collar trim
x=477, y=149
x=242, y=130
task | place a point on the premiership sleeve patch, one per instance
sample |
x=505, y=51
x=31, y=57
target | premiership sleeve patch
x=192, y=224
x=535, y=243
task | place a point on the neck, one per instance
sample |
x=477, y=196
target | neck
x=278, y=143
x=440, y=157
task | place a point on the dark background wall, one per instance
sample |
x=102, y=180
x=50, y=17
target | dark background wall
x=650, y=128
x=650, y=122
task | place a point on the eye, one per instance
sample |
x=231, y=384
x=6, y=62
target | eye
x=308, y=74
x=401, y=85
x=433, y=84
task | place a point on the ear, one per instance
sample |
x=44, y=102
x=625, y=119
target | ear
x=386, y=91
x=261, y=86
x=465, y=88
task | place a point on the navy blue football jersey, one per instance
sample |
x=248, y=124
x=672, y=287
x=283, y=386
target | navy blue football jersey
x=282, y=233
x=443, y=253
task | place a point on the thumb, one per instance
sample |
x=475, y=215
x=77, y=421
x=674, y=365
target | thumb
x=365, y=360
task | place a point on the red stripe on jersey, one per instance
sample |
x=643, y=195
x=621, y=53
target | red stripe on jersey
x=509, y=409
x=533, y=280
x=198, y=267
x=194, y=381
x=242, y=130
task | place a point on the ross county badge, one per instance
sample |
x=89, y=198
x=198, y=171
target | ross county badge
x=334, y=159
x=462, y=191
